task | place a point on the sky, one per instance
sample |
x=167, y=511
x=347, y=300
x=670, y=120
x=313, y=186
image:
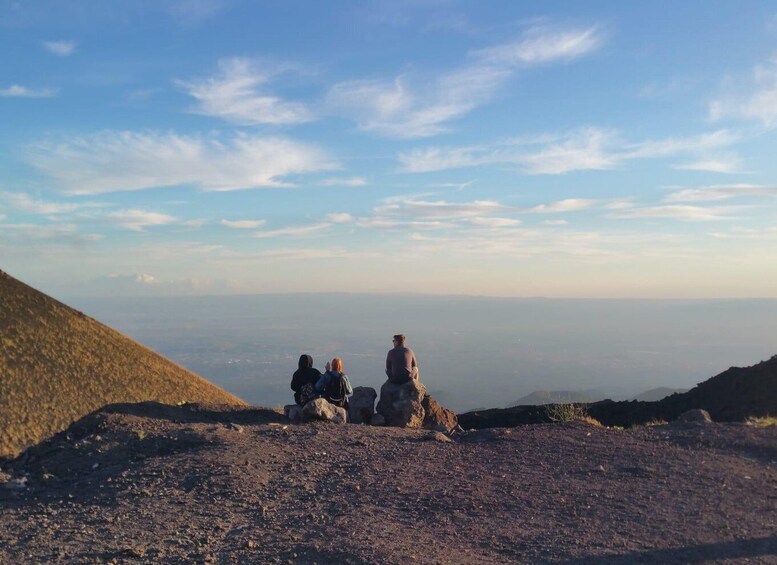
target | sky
x=561, y=149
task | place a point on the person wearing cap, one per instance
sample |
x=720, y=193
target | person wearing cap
x=401, y=364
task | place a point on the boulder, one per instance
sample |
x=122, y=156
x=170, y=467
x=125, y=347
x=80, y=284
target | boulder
x=696, y=416
x=320, y=409
x=437, y=417
x=361, y=406
x=293, y=412
x=401, y=404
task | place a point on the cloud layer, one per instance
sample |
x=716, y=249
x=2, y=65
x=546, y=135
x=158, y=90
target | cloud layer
x=124, y=160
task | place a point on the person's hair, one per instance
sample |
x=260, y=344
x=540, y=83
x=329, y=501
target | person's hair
x=337, y=364
x=400, y=338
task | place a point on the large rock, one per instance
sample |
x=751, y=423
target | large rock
x=402, y=404
x=320, y=409
x=437, y=417
x=361, y=406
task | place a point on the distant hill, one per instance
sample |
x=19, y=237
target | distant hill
x=57, y=365
x=659, y=393
x=539, y=397
x=732, y=396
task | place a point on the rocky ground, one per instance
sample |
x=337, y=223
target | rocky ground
x=154, y=484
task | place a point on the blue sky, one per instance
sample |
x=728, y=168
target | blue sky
x=561, y=149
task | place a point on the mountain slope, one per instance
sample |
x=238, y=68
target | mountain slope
x=57, y=364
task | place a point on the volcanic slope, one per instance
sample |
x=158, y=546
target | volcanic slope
x=57, y=365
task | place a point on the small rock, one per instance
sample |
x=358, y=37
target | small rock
x=696, y=416
x=236, y=427
x=251, y=544
x=320, y=409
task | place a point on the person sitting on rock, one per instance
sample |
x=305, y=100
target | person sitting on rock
x=334, y=385
x=304, y=380
x=401, y=365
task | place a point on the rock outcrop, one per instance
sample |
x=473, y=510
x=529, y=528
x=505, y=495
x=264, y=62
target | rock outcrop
x=402, y=404
x=437, y=417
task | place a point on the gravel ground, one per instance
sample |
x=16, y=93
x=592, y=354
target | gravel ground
x=154, y=484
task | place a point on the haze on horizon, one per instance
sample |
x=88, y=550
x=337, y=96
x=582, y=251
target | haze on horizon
x=193, y=147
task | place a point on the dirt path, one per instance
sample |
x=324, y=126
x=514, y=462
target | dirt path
x=151, y=484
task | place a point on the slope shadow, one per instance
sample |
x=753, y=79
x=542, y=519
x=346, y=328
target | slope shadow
x=702, y=553
x=83, y=461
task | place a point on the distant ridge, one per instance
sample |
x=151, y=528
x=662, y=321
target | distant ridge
x=732, y=396
x=659, y=393
x=57, y=365
x=558, y=396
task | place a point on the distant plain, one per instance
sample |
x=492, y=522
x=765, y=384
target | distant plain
x=473, y=352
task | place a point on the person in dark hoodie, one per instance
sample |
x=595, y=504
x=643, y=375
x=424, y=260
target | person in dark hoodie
x=304, y=380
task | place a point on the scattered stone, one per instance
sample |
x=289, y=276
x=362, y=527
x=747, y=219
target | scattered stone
x=697, y=416
x=437, y=417
x=320, y=409
x=293, y=412
x=361, y=405
x=137, y=551
x=236, y=427
x=440, y=437
x=401, y=404
x=251, y=544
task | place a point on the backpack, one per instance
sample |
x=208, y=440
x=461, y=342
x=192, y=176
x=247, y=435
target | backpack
x=306, y=394
x=336, y=390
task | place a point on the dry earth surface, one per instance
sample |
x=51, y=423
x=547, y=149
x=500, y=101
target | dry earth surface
x=148, y=483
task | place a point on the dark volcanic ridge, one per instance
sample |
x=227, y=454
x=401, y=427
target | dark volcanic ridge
x=732, y=396
x=150, y=483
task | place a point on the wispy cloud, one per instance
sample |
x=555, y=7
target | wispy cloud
x=237, y=96
x=138, y=220
x=723, y=164
x=344, y=181
x=16, y=91
x=56, y=233
x=721, y=192
x=25, y=203
x=440, y=208
x=294, y=231
x=493, y=222
x=339, y=218
x=243, y=224
x=542, y=45
x=124, y=160
x=60, y=48
x=678, y=212
x=756, y=101
x=192, y=12
x=588, y=148
x=421, y=106
x=568, y=205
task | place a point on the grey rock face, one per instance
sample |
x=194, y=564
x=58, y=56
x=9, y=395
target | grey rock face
x=320, y=409
x=401, y=404
x=361, y=405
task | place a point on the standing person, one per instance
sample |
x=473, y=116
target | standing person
x=304, y=380
x=401, y=365
x=334, y=385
